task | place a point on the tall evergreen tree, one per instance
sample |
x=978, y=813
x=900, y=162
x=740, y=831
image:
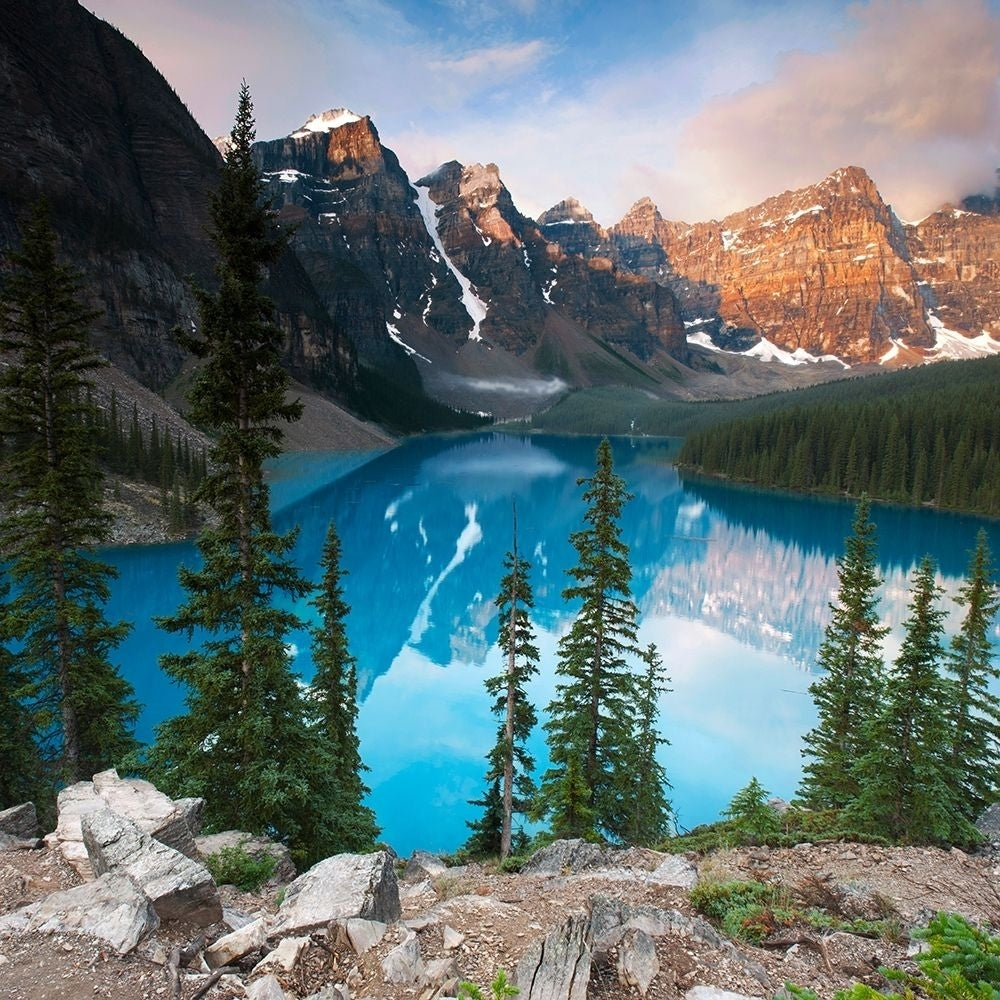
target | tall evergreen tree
x=510, y=788
x=83, y=712
x=909, y=788
x=20, y=769
x=245, y=742
x=350, y=825
x=593, y=724
x=848, y=694
x=650, y=812
x=974, y=713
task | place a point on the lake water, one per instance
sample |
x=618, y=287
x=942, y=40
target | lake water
x=732, y=584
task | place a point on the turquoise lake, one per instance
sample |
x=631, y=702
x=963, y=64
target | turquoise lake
x=732, y=584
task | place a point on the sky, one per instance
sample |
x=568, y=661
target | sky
x=705, y=106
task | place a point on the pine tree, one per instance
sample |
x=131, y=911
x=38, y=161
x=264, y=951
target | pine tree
x=650, y=812
x=245, y=742
x=908, y=785
x=510, y=788
x=334, y=692
x=973, y=709
x=82, y=710
x=593, y=725
x=20, y=770
x=848, y=695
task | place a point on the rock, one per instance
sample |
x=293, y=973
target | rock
x=988, y=823
x=152, y=811
x=179, y=888
x=422, y=865
x=20, y=822
x=338, y=991
x=111, y=908
x=713, y=993
x=403, y=964
x=266, y=988
x=564, y=857
x=439, y=971
x=675, y=870
x=255, y=847
x=611, y=919
x=285, y=956
x=233, y=947
x=344, y=886
x=558, y=966
x=362, y=934
x=637, y=961
x=452, y=939
x=192, y=810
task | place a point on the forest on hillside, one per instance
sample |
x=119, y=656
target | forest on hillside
x=927, y=436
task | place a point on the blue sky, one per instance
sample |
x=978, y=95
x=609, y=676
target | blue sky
x=707, y=106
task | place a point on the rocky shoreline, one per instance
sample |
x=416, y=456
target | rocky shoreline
x=118, y=902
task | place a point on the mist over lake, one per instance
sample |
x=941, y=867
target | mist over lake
x=732, y=585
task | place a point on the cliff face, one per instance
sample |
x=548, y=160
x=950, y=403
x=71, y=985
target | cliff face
x=956, y=255
x=90, y=124
x=824, y=270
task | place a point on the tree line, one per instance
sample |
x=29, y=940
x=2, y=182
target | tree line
x=907, y=751
x=934, y=444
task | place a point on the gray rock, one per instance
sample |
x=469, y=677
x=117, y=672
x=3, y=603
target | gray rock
x=564, y=857
x=638, y=965
x=152, y=811
x=179, y=888
x=675, y=870
x=439, y=971
x=558, y=967
x=611, y=918
x=284, y=957
x=423, y=865
x=20, y=822
x=192, y=810
x=255, y=847
x=403, y=964
x=234, y=946
x=344, y=886
x=337, y=991
x=713, y=993
x=452, y=938
x=265, y=988
x=112, y=909
x=362, y=935
x=988, y=823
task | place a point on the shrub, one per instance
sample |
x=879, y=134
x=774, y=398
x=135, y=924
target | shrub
x=237, y=866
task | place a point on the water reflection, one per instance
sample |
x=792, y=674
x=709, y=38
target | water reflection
x=732, y=584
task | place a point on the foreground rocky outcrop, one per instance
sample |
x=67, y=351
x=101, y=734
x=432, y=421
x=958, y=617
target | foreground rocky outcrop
x=580, y=921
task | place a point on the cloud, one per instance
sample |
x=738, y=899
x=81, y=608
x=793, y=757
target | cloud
x=910, y=94
x=500, y=59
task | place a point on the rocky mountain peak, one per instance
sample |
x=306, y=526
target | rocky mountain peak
x=326, y=121
x=569, y=210
x=479, y=185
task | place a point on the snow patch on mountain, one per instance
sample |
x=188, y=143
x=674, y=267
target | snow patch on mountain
x=326, y=121
x=474, y=305
x=953, y=346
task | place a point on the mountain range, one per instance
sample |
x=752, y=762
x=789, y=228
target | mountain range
x=395, y=289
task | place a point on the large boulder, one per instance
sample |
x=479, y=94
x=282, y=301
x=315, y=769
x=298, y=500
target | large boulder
x=344, y=886
x=152, y=811
x=179, y=887
x=112, y=909
x=557, y=967
x=565, y=857
x=19, y=827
